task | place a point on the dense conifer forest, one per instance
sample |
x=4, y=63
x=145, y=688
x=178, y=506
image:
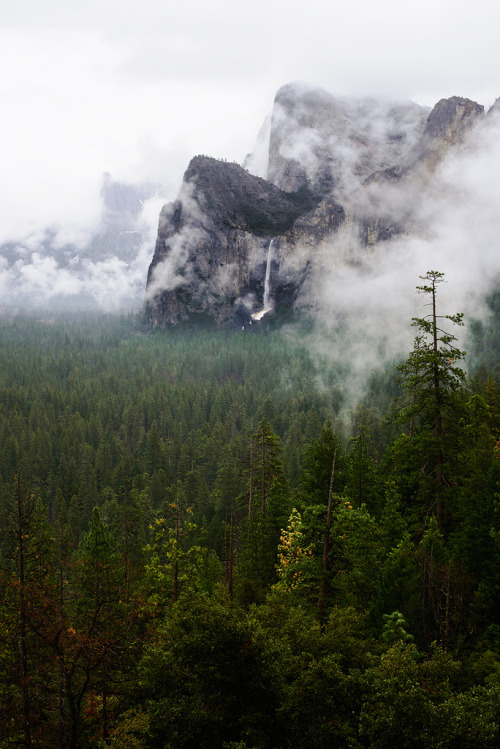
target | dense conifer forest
x=204, y=543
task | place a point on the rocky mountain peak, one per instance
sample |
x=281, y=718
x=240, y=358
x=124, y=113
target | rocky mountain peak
x=452, y=117
x=448, y=125
x=213, y=247
x=342, y=177
x=331, y=144
x=234, y=198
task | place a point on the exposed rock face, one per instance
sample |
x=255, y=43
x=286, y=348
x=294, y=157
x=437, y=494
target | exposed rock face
x=331, y=143
x=448, y=125
x=336, y=169
x=213, y=243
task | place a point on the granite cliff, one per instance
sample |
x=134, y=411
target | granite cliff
x=337, y=177
x=216, y=242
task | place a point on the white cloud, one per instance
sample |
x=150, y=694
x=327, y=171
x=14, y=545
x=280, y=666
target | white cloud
x=367, y=307
x=136, y=89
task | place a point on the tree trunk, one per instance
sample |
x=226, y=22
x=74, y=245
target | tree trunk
x=263, y=483
x=326, y=541
x=231, y=551
x=250, y=497
x=23, y=637
x=176, y=551
x=59, y=655
x=437, y=417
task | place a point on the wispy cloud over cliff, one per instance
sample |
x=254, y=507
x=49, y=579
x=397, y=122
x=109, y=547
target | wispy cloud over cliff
x=138, y=89
x=366, y=306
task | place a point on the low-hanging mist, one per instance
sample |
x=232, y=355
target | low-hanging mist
x=366, y=307
x=384, y=192
x=100, y=263
x=359, y=197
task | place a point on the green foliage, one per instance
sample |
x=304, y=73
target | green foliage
x=268, y=508
x=431, y=379
x=317, y=467
x=174, y=563
x=121, y=626
x=294, y=558
x=206, y=681
x=130, y=732
x=394, y=628
x=413, y=703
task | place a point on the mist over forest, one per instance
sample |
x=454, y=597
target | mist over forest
x=249, y=445
x=204, y=540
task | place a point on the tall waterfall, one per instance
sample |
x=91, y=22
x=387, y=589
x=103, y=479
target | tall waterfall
x=267, y=284
x=267, y=304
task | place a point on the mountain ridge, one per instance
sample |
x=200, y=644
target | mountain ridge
x=343, y=176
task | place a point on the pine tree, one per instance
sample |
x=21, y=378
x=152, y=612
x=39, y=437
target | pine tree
x=431, y=378
x=170, y=551
x=268, y=510
x=27, y=616
x=97, y=633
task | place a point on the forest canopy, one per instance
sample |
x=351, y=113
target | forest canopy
x=203, y=543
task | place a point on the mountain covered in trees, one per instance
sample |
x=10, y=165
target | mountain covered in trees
x=332, y=181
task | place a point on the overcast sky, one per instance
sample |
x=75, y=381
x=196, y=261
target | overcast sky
x=137, y=88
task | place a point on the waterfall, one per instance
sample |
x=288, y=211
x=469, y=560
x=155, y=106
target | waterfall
x=267, y=284
x=267, y=304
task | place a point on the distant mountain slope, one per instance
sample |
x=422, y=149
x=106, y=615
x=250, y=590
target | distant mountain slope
x=104, y=269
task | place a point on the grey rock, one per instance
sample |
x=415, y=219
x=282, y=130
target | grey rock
x=341, y=176
x=447, y=126
x=332, y=144
x=214, y=241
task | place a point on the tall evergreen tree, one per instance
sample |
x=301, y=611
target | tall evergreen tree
x=27, y=617
x=268, y=511
x=432, y=378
